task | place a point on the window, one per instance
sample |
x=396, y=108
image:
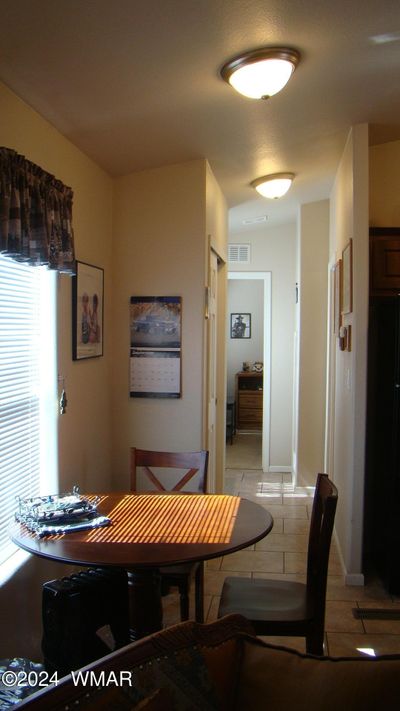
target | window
x=28, y=390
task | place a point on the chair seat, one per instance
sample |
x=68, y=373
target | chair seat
x=264, y=600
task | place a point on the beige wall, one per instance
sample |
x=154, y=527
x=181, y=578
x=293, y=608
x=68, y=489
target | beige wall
x=349, y=219
x=314, y=251
x=274, y=250
x=161, y=222
x=84, y=431
x=384, y=181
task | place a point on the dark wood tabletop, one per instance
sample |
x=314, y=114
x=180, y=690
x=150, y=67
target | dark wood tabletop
x=153, y=530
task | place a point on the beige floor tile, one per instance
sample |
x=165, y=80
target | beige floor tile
x=338, y=590
x=297, y=512
x=339, y=617
x=296, y=526
x=213, y=564
x=269, y=498
x=293, y=499
x=249, y=561
x=214, y=580
x=278, y=525
x=350, y=645
x=281, y=576
x=212, y=613
x=295, y=562
x=283, y=542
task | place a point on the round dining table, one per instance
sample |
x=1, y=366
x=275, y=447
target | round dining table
x=149, y=531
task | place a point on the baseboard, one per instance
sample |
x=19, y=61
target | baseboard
x=355, y=579
x=274, y=469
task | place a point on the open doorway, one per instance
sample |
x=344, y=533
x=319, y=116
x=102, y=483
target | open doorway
x=249, y=391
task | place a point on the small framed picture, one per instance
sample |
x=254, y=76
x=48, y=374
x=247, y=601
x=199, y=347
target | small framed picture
x=347, y=258
x=87, y=311
x=337, y=319
x=240, y=325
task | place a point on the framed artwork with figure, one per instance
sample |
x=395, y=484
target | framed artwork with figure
x=87, y=311
x=241, y=325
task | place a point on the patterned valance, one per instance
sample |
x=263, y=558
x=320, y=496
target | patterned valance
x=35, y=214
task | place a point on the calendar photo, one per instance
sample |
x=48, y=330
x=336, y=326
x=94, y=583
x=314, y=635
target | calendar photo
x=155, y=346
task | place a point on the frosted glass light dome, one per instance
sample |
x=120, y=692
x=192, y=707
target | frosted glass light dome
x=273, y=186
x=261, y=73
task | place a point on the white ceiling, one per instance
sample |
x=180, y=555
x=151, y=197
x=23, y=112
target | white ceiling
x=135, y=84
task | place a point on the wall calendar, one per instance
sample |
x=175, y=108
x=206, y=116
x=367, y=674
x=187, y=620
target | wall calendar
x=155, y=346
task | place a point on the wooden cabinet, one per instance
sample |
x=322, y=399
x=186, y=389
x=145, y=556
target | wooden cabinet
x=249, y=400
x=384, y=261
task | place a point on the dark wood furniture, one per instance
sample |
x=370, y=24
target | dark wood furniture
x=230, y=419
x=384, y=261
x=190, y=472
x=288, y=608
x=249, y=400
x=150, y=531
x=381, y=537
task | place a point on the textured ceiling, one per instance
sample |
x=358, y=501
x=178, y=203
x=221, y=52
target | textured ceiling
x=135, y=84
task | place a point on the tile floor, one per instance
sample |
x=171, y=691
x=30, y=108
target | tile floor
x=282, y=554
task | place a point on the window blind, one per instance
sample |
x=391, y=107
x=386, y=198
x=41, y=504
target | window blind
x=21, y=388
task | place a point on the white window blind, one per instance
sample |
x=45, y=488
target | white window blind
x=27, y=387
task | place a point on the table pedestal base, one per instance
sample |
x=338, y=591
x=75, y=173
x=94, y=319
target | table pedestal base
x=145, y=606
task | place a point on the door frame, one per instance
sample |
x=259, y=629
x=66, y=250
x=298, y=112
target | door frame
x=266, y=277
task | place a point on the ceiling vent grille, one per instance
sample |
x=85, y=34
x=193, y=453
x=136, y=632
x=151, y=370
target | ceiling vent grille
x=239, y=253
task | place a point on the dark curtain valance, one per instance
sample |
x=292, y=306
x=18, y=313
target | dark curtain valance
x=35, y=214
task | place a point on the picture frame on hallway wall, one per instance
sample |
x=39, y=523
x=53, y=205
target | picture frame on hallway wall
x=241, y=325
x=337, y=287
x=87, y=311
x=347, y=259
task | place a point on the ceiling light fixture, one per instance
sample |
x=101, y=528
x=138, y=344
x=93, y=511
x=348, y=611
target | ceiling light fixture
x=261, y=73
x=273, y=186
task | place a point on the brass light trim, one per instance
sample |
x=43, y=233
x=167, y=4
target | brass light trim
x=259, y=55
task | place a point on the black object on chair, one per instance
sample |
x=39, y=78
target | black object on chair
x=288, y=608
x=194, y=480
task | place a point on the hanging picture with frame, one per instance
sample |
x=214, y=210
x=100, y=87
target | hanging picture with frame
x=87, y=311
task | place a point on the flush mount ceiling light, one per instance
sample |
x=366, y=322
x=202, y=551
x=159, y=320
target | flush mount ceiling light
x=273, y=186
x=261, y=73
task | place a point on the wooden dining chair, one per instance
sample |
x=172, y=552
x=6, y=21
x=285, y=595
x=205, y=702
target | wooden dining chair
x=285, y=607
x=175, y=471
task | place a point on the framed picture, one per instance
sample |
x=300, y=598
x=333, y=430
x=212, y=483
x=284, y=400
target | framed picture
x=347, y=299
x=337, y=303
x=240, y=325
x=87, y=311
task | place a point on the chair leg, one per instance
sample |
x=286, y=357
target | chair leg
x=199, y=593
x=184, y=600
x=315, y=644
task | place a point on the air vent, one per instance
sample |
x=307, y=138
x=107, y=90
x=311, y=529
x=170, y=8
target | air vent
x=239, y=253
x=255, y=220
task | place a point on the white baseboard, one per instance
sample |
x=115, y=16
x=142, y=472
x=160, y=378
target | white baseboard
x=276, y=469
x=354, y=579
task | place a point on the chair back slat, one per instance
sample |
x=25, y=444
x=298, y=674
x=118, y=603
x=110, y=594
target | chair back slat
x=196, y=463
x=321, y=528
